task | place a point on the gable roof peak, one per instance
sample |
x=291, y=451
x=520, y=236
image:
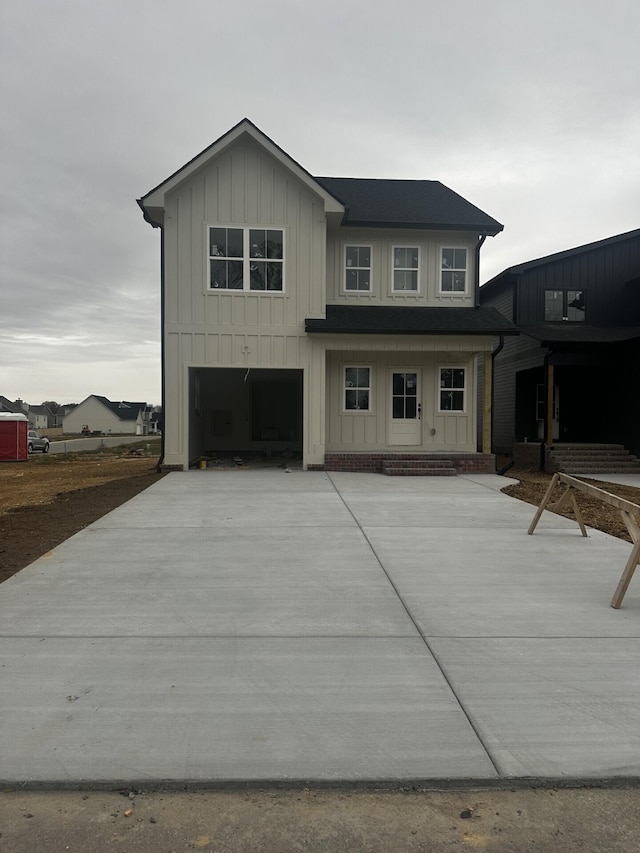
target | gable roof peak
x=152, y=203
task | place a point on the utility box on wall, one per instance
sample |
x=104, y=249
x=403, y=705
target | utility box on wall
x=13, y=437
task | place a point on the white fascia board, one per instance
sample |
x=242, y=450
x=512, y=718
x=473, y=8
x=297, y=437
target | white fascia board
x=153, y=202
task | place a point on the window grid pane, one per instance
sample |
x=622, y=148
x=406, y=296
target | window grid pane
x=357, y=388
x=405, y=268
x=228, y=270
x=575, y=305
x=553, y=305
x=452, y=389
x=358, y=268
x=454, y=271
x=405, y=396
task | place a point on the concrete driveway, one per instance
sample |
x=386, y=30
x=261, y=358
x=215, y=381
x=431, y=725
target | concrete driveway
x=263, y=626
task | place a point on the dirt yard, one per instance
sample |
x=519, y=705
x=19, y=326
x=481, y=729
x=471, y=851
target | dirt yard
x=50, y=497
x=532, y=487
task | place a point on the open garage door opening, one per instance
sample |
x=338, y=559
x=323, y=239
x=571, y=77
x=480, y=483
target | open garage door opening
x=244, y=412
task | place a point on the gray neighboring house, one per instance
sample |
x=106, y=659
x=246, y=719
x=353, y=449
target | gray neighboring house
x=14, y=408
x=102, y=415
x=335, y=318
x=573, y=375
x=40, y=417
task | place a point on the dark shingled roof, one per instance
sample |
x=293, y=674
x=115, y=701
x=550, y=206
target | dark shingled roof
x=579, y=333
x=124, y=410
x=376, y=202
x=380, y=319
x=503, y=277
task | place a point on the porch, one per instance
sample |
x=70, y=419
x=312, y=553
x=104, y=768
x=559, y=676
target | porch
x=426, y=464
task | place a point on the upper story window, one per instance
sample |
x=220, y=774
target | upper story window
x=246, y=259
x=357, y=261
x=453, y=271
x=567, y=305
x=405, y=269
x=452, y=389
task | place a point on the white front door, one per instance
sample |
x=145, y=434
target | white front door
x=405, y=415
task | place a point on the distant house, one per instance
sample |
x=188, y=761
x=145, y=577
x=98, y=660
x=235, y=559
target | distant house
x=573, y=374
x=332, y=317
x=63, y=410
x=156, y=421
x=15, y=408
x=40, y=417
x=104, y=416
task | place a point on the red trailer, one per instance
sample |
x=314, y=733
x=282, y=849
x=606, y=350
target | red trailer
x=13, y=437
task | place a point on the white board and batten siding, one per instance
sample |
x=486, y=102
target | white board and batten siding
x=370, y=431
x=244, y=186
x=382, y=243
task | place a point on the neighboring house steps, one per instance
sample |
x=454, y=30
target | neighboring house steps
x=591, y=459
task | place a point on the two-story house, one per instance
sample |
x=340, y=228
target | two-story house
x=104, y=416
x=335, y=318
x=573, y=374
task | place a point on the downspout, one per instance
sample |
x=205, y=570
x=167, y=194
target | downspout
x=155, y=224
x=494, y=354
x=162, y=372
x=476, y=277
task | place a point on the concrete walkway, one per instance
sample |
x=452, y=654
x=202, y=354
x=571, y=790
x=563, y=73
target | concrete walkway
x=262, y=626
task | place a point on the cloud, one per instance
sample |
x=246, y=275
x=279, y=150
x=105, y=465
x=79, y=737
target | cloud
x=529, y=111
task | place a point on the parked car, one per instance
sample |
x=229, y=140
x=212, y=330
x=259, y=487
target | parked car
x=37, y=442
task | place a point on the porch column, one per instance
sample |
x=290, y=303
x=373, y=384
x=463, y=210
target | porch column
x=314, y=393
x=488, y=403
x=548, y=430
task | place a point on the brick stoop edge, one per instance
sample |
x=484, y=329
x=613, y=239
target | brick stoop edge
x=372, y=463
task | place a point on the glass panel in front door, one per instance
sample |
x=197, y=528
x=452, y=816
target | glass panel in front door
x=405, y=396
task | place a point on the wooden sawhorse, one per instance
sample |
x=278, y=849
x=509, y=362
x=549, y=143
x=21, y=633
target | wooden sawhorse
x=629, y=511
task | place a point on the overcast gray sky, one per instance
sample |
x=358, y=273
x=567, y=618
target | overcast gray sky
x=529, y=110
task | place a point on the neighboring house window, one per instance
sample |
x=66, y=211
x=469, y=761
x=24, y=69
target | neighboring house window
x=567, y=305
x=453, y=271
x=405, y=269
x=357, y=389
x=246, y=259
x=357, y=268
x=452, y=388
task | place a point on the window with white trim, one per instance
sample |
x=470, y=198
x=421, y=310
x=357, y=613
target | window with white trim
x=357, y=389
x=357, y=264
x=405, y=269
x=246, y=259
x=452, y=389
x=453, y=276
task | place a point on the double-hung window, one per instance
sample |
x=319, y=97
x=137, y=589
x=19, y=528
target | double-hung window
x=452, y=389
x=567, y=305
x=357, y=261
x=405, y=269
x=357, y=389
x=246, y=259
x=453, y=276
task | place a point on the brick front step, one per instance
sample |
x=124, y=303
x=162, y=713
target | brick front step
x=375, y=462
x=431, y=471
